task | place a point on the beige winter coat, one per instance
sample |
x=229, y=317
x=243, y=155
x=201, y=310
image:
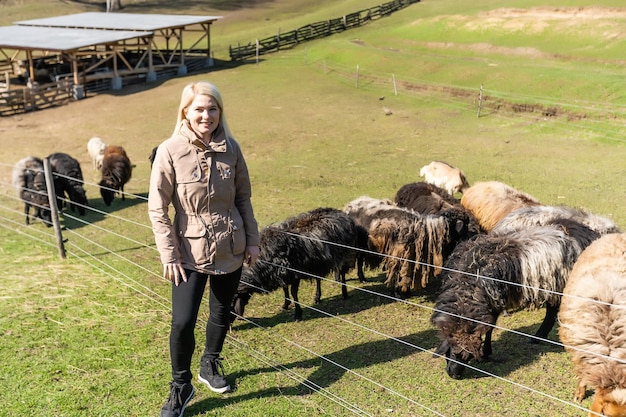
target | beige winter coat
x=209, y=188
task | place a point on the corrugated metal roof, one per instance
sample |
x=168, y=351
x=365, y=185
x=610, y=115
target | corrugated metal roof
x=120, y=21
x=57, y=39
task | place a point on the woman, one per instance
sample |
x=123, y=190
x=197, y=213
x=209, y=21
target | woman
x=201, y=171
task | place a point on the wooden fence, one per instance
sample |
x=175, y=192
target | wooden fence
x=316, y=30
x=35, y=97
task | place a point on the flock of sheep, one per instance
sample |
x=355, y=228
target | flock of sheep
x=495, y=249
x=30, y=183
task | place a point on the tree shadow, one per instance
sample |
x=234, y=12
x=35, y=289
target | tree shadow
x=326, y=371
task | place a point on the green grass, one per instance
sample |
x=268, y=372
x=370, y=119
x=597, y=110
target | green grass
x=88, y=335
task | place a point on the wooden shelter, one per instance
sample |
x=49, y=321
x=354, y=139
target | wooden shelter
x=95, y=51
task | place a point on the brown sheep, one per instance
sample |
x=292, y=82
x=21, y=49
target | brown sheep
x=490, y=201
x=116, y=171
x=593, y=318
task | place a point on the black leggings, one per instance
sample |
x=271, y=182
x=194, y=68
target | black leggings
x=186, y=299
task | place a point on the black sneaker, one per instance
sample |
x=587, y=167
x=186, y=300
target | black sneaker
x=180, y=395
x=212, y=375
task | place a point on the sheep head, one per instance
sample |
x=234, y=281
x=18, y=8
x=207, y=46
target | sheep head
x=78, y=195
x=239, y=305
x=107, y=192
x=462, y=342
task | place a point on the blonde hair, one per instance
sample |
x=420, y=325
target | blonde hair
x=189, y=93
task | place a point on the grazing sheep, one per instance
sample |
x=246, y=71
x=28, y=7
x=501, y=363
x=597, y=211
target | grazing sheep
x=415, y=246
x=445, y=176
x=68, y=180
x=489, y=274
x=592, y=321
x=424, y=198
x=297, y=249
x=490, y=201
x=427, y=198
x=363, y=210
x=96, y=148
x=116, y=171
x=30, y=182
x=540, y=215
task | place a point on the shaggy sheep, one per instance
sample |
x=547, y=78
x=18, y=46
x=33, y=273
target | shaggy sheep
x=415, y=246
x=30, y=182
x=424, y=198
x=427, y=198
x=592, y=321
x=68, y=180
x=364, y=210
x=299, y=248
x=540, y=215
x=490, y=201
x=96, y=148
x=445, y=176
x=116, y=172
x=489, y=274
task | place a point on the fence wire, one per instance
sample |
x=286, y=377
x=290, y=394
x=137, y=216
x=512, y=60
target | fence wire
x=91, y=248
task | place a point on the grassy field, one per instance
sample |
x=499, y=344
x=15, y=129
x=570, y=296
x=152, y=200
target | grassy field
x=88, y=335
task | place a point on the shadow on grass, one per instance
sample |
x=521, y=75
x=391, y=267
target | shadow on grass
x=138, y=87
x=327, y=373
x=513, y=351
x=97, y=210
x=372, y=293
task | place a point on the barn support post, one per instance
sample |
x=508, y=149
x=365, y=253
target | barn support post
x=116, y=80
x=182, y=69
x=54, y=211
x=210, y=57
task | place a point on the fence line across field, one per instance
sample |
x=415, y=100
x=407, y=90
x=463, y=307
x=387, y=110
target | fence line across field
x=76, y=249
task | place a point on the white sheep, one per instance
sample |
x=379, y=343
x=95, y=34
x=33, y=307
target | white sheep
x=445, y=176
x=96, y=147
x=592, y=321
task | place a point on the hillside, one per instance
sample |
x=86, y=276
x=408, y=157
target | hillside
x=88, y=335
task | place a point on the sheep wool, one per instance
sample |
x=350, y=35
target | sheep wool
x=490, y=201
x=593, y=321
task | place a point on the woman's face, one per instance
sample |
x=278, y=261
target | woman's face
x=203, y=115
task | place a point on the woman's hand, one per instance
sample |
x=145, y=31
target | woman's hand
x=252, y=254
x=174, y=272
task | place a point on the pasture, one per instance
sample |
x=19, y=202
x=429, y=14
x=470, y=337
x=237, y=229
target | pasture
x=89, y=335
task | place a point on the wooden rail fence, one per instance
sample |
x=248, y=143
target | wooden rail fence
x=316, y=30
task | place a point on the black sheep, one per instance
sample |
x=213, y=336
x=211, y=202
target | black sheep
x=30, y=182
x=489, y=274
x=309, y=245
x=116, y=172
x=68, y=181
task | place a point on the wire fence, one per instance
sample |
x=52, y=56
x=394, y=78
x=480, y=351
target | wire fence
x=606, y=120
x=105, y=249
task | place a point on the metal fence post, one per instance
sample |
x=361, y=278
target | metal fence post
x=54, y=211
